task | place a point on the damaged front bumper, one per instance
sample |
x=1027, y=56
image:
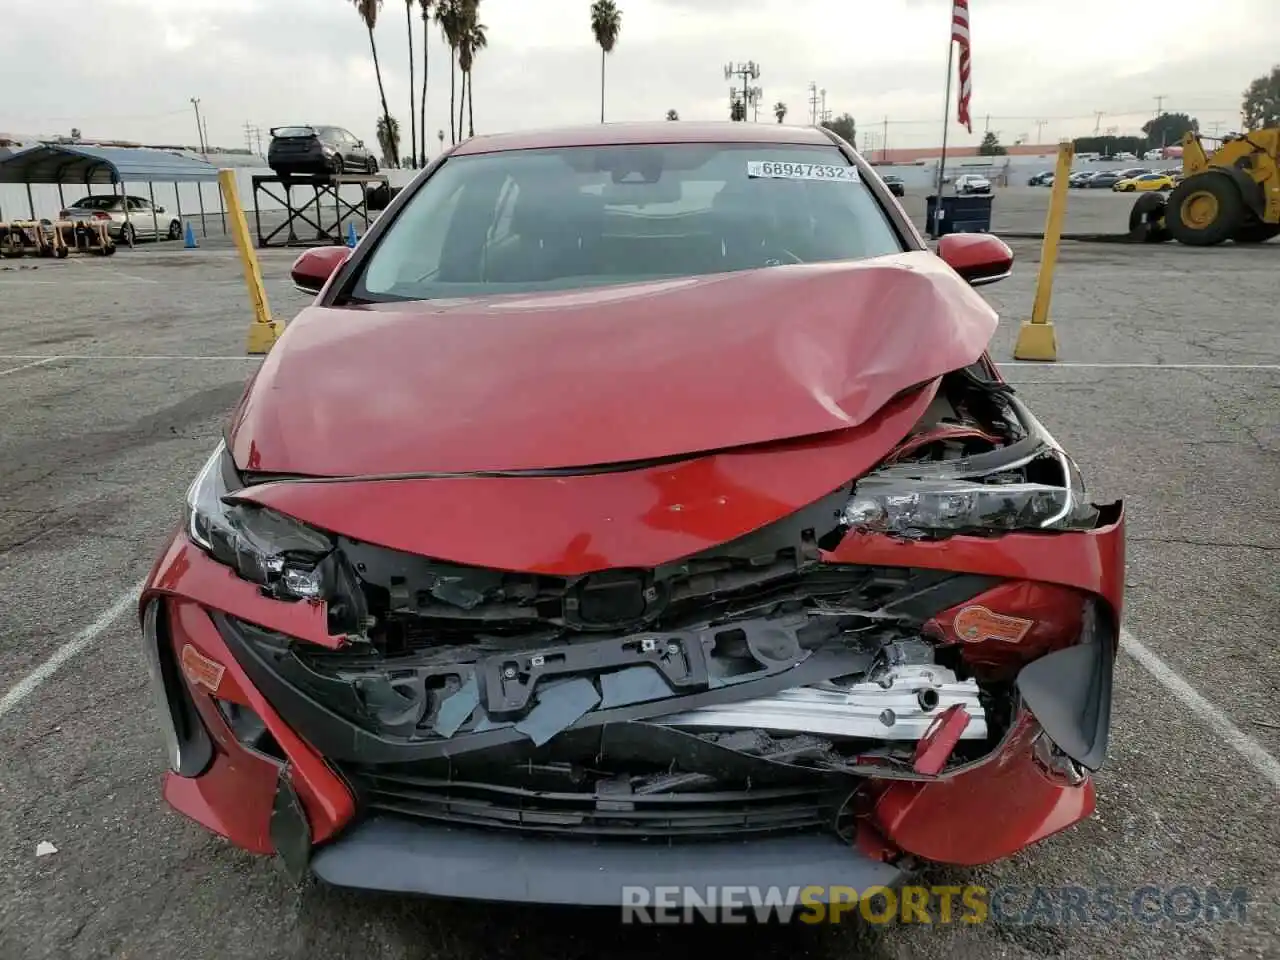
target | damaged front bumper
x=782, y=748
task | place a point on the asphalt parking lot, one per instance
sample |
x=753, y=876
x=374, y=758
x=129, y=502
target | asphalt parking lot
x=115, y=378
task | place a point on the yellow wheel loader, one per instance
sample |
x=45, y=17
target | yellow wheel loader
x=1232, y=193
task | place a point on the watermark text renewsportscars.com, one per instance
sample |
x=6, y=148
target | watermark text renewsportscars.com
x=938, y=904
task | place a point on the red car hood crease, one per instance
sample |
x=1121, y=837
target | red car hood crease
x=604, y=375
x=577, y=524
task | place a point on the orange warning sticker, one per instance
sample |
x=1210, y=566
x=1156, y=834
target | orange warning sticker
x=975, y=624
x=200, y=669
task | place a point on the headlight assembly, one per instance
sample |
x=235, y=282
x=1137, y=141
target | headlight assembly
x=289, y=559
x=1029, y=485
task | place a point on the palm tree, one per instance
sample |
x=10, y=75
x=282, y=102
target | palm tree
x=368, y=10
x=471, y=40
x=422, y=101
x=606, y=24
x=388, y=132
x=413, y=110
x=449, y=19
x=672, y=115
x=780, y=111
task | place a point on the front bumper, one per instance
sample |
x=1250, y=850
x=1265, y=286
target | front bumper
x=282, y=794
x=397, y=856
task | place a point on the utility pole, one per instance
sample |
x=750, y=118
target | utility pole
x=195, y=102
x=747, y=71
x=813, y=103
x=1097, y=121
x=206, y=136
x=884, y=143
x=252, y=134
x=1160, y=103
x=823, y=116
x=1040, y=125
x=988, y=125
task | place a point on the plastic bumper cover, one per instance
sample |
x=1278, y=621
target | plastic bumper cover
x=395, y=856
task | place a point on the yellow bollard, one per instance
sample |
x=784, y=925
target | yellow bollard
x=1036, y=340
x=264, y=331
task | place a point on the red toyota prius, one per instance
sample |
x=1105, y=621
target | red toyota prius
x=637, y=505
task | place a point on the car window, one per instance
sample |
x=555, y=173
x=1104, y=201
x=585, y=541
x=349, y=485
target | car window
x=582, y=216
x=295, y=132
x=97, y=203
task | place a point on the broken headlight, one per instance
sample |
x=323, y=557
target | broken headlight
x=289, y=559
x=1030, y=485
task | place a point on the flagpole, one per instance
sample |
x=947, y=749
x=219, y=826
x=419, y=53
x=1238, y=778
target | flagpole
x=946, y=116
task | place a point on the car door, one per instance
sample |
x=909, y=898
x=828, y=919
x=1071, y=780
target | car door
x=351, y=153
x=145, y=219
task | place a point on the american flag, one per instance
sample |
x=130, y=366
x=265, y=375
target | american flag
x=960, y=35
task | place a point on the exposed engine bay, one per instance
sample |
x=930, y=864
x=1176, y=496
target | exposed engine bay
x=550, y=702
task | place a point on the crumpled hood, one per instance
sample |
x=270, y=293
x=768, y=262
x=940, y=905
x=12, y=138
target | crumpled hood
x=604, y=375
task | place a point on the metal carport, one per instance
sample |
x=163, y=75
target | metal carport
x=75, y=164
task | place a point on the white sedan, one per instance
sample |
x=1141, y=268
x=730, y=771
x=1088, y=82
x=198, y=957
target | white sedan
x=125, y=225
x=971, y=183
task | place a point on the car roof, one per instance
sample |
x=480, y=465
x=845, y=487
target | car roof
x=663, y=131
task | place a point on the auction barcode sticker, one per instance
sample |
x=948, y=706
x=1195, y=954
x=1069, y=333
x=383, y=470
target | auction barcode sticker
x=786, y=170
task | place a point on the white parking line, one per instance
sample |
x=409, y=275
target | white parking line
x=28, y=684
x=109, y=356
x=110, y=271
x=1239, y=741
x=1015, y=364
x=26, y=366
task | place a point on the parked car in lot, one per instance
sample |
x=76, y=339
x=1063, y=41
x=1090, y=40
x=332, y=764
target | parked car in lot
x=1080, y=178
x=971, y=183
x=895, y=185
x=1144, y=182
x=318, y=150
x=1040, y=179
x=463, y=605
x=1102, y=179
x=128, y=218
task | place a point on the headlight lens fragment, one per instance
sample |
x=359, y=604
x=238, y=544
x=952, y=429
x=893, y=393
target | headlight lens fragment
x=286, y=557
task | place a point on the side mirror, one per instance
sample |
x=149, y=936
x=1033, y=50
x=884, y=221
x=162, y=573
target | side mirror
x=360, y=143
x=159, y=209
x=312, y=270
x=978, y=257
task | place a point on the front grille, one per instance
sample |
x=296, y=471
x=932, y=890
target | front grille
x=688, y=815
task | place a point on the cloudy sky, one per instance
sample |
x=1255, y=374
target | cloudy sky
x=128, y=68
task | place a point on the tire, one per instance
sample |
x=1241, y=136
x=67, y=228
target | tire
x=337, y=167
x=1256, y=232
x=1146, y=219
x=175, y=230
x=128, y=236
x=372, y=166
x=1205, y=210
